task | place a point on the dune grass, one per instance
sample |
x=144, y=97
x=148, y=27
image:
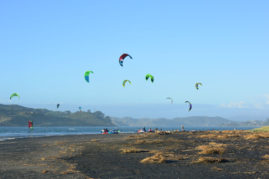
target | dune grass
x=257, y=135
x=157, y=158
x=148, y=141
x=210, y=160
x=212, y=148
x=261, y=129
x=162, y=157
x=157, y=141
x=266, y=157
x=222, y=135
x=216, y=168
x=132, y=150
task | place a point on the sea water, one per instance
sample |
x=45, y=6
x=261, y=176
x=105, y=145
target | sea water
x=8, y=133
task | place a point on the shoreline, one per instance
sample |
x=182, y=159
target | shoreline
x=23, y=132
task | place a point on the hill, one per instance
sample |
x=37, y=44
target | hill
x=194, y=121
x=15, y=115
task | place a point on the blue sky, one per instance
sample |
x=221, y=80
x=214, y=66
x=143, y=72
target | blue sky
x=46, y=46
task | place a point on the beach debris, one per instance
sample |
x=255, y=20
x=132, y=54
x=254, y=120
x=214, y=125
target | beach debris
x=122, y=57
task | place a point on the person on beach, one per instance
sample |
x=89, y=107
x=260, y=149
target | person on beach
x=30, y=124
x=182, y=128
x=144, y=129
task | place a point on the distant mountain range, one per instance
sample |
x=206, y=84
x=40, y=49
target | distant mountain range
x=15, y=115
x=194, y=121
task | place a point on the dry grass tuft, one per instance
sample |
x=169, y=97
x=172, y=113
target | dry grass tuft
x=157, y=141
x=148, y=141
x=162, y=157
x=71, y=169
x=42, y=158
x=137, y=136
x=132, y=150
x=209, y=136
x=220, y=136
x=216, y=168
x=258, y=135
x=262, y=129
x=212, y=148
x=173, y=140
x=266, y=157
x=210, y=160
x=59, y=143
x=157, y=158
x=44, y=171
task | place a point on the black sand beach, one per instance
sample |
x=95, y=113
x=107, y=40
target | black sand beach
x=226, y=154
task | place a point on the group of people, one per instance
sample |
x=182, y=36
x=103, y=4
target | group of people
x=156, y=129
x=113, y=131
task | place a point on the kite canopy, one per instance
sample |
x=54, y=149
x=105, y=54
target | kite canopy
x=197, y=85
x=58, y=105
x=150, y=76
x=125, y=81
x=171, y=99
x=13, y=95
x=122, y=57
x=87, y=75
x=190, y=105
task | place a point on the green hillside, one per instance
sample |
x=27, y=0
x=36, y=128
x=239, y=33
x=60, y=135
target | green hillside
x=261, y=129
x=14, y=115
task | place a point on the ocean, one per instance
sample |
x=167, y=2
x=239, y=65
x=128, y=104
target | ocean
x=9, y=133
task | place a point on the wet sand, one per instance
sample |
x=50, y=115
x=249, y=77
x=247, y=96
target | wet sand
x=207, y=154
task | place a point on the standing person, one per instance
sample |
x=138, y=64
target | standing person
x=182, y=128
x=29, y=124
x=144, y=129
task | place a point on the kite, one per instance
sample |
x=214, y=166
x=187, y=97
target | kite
x=125, y=81
x=150, y=76
x=87, y=75
x=190, y=105
x=197, y=85
x=122, y=57
x=13, y=95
